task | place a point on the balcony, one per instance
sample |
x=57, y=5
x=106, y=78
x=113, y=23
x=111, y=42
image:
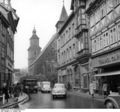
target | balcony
x=83, y=55
x=81, y=28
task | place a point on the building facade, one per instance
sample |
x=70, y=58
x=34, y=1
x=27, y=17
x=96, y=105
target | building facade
x=73, y=48
x=45, y=64
x=66, y=49
x=81, y=34
x=8, y=24
x=34, y=49
x=104, y=16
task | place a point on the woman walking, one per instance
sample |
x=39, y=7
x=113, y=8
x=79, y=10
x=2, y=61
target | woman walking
x=91, y=89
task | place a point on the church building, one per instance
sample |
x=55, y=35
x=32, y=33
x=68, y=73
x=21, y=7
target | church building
x=34, y=49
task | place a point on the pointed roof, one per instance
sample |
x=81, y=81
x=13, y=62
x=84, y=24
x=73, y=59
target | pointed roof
x=34, y=36
x=64, y=14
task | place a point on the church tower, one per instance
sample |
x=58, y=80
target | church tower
x=34, y=49
x=62, y=19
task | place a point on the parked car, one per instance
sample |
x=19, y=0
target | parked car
x=59, y=90
x=30, y=85
x=112, y=101
x=45, y=86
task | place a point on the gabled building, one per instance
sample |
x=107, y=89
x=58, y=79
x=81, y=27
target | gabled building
x=66, y=49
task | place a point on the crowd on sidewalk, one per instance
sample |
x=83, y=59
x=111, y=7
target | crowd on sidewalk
x=11, y=92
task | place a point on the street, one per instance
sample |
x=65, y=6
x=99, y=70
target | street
x=44, y=100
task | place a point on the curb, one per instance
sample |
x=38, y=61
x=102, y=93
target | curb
x=16, y=103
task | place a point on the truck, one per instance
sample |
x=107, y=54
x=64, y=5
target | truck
x=30, y=85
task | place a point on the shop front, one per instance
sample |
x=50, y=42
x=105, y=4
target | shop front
x=107, y=70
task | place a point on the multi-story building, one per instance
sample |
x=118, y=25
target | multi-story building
x=8, y=24
x=66, y=49
x=81, y=33
x=104, y=33
x=34, y=50
x=45, y=64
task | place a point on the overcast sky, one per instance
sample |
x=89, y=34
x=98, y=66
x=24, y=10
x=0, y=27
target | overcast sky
x=43, y=14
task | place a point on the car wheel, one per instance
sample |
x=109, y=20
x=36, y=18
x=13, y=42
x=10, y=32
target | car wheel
x=109, y=104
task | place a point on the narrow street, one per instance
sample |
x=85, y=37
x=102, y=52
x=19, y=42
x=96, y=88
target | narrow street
x=44, y=100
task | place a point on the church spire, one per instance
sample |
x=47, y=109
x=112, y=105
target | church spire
x=34, y=31
x=62, y=19
x=64, y=14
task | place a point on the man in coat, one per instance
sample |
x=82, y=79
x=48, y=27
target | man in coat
x=5, y=91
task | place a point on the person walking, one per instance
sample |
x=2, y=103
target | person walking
x=5, y=92
x=91, y=89
x=105, y=89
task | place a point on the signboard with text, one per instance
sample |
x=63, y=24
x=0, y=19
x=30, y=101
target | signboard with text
x=106, y=59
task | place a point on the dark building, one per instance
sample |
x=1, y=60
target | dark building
x=46, y=62
x=8, y=24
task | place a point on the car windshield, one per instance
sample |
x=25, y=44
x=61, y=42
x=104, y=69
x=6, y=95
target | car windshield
x=30, y=82
x=59, y=86
x=46, y=83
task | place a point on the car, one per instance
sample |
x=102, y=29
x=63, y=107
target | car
x=112, y=101
x=45, y=87
x=59, y=90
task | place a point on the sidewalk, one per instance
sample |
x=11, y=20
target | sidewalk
x=11, y=102
x=87, y=95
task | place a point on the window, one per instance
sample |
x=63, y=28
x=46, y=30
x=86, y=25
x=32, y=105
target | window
x=74, y=51
x=80, y=45
x=116, y=2
x=118, y=31
x=107, y=39
x=70, y=52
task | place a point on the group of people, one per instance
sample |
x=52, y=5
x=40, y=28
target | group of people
x=105, y=89
x=11, y=91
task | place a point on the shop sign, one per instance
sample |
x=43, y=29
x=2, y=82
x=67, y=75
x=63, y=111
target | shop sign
x=106, y=59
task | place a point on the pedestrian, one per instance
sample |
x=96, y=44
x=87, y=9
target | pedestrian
x=105, y=89
x=5, y=91
x=91, y=89
x=68, y=86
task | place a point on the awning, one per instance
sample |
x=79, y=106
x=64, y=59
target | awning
x=108, y=74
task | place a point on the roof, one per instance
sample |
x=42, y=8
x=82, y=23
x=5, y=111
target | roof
x=63, y=15
x=50, y=41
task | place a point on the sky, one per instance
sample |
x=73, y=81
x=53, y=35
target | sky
x=43, y=14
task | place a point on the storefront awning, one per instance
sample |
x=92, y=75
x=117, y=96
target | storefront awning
x=108, y=74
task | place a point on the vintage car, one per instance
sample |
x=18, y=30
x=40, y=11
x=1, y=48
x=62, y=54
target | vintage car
x=112, y=101
x=59, y=90
x=45, y=86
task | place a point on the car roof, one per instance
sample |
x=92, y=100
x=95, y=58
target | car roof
x=59, y=84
